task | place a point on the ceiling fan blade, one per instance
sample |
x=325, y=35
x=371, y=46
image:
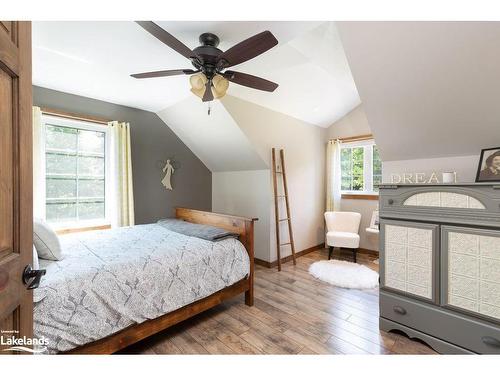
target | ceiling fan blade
x=166, y=38
x=208, y=95
x=164, y=73
x=250, y=81
x=248, y=49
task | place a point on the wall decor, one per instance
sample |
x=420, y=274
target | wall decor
x=168, y=167
x=423, y=178
x=488, y=169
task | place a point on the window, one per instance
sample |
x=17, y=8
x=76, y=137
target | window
x=376, y=168
x=361, y=167
x=75, y=172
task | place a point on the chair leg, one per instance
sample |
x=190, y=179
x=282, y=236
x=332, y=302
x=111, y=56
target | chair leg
x=355, y=255
x=330, y=250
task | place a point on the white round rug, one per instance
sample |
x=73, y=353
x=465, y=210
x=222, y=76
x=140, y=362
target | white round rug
x=344, y=274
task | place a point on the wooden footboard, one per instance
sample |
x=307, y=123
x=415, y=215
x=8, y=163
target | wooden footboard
x=244, y=227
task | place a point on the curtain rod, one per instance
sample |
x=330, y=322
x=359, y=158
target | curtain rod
x=356, y=138
x=74, y=116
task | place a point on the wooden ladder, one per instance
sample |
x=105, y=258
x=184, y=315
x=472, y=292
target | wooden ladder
x=277, y=171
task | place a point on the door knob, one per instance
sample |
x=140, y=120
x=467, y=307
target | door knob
x=32, y=277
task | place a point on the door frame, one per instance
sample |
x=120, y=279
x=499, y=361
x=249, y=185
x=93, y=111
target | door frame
x=15, y=61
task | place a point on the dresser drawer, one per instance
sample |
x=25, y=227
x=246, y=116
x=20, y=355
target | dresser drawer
x=455, y=328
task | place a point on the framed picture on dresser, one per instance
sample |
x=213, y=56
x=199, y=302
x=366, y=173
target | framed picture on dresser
x=488, y=169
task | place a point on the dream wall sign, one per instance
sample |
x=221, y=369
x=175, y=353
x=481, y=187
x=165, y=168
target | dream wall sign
x=423, y=178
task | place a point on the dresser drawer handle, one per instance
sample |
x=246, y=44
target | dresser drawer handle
x=390, y=201
x=399, y=310
x=491, y=341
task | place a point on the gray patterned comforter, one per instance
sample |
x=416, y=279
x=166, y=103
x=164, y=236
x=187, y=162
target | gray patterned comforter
x=111, y=279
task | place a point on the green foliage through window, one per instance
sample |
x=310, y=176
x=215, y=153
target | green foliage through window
x=361, y=168
x=376, y=168
x=351, y=160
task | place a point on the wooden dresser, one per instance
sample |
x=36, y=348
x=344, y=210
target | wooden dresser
x=440, y=265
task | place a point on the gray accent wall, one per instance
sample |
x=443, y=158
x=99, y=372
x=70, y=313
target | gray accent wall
x=151, y=141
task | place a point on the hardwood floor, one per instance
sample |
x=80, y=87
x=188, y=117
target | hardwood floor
x=294, y=313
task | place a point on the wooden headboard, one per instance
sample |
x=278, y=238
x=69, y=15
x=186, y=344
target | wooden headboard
x=243, y=226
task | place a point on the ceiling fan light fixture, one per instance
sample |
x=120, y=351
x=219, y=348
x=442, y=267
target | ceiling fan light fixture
x=219, y=86
x=212, y=61
x=198, y=84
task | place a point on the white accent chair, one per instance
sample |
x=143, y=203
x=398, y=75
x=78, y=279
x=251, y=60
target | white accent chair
x=343, y=230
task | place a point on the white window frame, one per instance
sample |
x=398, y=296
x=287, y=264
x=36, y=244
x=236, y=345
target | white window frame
x=367, y=166
x=108, y=174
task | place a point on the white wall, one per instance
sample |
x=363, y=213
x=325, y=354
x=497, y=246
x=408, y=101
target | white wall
x=353, y=124
x=216, y=139
x=365, y=208
x=429, y=89
x=465, y=166
x=305, y=166
x=246, y=193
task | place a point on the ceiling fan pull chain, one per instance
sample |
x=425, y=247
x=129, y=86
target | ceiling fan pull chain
x=209, y=108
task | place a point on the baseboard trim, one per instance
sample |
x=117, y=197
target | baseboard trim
x=368, y=251
x=288, y=258
x=361, y=250
x=267, y=264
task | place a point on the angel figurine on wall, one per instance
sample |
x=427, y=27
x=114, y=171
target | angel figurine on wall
x=169, y=169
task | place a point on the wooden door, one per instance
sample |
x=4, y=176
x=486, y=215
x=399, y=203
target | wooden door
x=16, y=218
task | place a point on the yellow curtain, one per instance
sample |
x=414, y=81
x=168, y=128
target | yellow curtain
x=38, y=165
x=122, y=162
x=333, y=175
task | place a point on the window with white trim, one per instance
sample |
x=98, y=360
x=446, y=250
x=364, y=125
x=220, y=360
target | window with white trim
x=361, y=167
x=76, y=172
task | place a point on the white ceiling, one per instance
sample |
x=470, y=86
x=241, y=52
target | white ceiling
x=431, y=84
x=216, y=139
x=95, y=59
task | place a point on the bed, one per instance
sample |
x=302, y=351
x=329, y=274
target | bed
x=117, y=287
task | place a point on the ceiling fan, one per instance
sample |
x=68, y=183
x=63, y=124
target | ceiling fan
x=210, y=79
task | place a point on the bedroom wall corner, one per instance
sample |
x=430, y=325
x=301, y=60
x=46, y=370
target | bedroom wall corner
x=355, y=123
x=246, y=193
x=305, y=166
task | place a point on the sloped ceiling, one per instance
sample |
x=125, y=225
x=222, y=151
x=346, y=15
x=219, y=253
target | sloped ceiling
x=316, y=85
x=95, y=59
x=431, y=84
x=217, y=140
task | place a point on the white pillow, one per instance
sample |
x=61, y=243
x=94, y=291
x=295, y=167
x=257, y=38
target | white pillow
x=46, y=241
x=35, y=263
